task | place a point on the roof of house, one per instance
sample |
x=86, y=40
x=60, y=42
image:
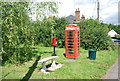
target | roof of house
x=70, y=18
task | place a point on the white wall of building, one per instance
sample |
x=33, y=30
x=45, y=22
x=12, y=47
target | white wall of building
x=112, y=33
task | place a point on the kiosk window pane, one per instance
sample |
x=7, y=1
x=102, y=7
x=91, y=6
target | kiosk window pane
x=70, y=53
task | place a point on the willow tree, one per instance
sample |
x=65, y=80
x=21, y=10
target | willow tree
x=42, y=11
x=17, y=31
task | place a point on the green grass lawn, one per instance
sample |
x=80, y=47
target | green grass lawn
x=81, y=68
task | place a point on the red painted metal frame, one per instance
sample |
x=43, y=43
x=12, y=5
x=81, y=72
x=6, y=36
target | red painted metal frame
x=76, y=41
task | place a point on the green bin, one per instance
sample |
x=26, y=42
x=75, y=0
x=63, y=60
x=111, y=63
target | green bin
x=92, y=54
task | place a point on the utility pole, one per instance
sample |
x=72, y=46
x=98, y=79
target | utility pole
x=98, y=7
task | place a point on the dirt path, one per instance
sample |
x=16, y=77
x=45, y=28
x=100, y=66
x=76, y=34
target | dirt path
x=113, y=71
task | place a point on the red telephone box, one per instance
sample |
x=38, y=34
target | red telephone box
x=54, y=41
x=72, y=41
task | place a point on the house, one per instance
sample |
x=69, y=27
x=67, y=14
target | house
x=76, y=17
x=71, y=18
x=112, y=33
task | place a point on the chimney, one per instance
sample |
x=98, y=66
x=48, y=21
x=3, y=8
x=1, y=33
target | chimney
x=77, y=15
x=83, y=17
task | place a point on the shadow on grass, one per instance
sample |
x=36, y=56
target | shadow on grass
x=44, y=52
x=31, y=70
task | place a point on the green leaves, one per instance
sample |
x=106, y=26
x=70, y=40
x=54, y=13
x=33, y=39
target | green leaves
x=15, y=25
x=18, y=33
x=46, y=29
x=115, y=27
x=43, y=9
x=95, y=35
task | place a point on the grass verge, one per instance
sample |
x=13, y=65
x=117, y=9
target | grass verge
x=81, y=68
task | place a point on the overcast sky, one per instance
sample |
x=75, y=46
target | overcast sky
x=108, y=9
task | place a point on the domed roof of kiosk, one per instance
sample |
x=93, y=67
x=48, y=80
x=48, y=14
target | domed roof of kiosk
x=72, y=25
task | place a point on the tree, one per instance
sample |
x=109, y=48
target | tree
x=18, y=33
x=49, y=28
x=43, y=9
x=41, y=27
x=94, y=35
x=114, y=27
x=15, y=31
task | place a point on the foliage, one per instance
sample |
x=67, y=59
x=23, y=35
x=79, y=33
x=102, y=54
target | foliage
x=60, y=30
x=18, y=32
x=48, y=28
x=95, y=35
x=116, y=37
x=15, y=30
x=42, y=9
x=114, y=27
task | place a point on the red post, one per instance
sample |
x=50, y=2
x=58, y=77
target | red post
x=54, y=43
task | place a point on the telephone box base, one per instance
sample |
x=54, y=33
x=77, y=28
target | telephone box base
x=72, y=56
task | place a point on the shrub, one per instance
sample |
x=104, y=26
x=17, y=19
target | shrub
x=48, y=28
x=95, y=35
